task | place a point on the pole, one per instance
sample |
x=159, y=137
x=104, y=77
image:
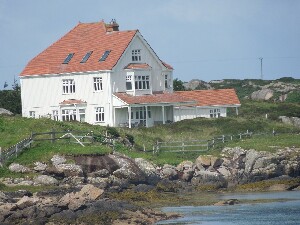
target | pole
x=261, y=68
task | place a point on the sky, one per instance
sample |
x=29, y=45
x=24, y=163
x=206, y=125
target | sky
x=201, y=39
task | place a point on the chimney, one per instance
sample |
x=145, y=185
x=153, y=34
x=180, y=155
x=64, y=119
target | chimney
x=112, y=26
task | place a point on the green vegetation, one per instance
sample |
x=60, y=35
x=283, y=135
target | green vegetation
x=178, y=85
x=11, y=100
x=252, y=117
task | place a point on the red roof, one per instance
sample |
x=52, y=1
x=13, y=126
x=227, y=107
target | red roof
x=137, y=66
x=158, y=97
x=83, y=38
x=211, y=97
x=72, y=101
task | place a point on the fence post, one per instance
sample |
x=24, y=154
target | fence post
x=223, y=138
x=240, y=135
x=213, y=142
x=231, y=137
x=52, y=136
x=16, y=150
x=144, y=147
x=182, y=147
x=157, y=147
x=0, y=156
x=92, y=134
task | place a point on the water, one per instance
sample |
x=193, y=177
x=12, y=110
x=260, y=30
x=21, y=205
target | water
x=285, y=212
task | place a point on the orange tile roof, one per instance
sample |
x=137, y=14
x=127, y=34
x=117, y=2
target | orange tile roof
x=137, y=66
x=72, y=101
x=83, y=38
x=211, y=97
x=158, y=97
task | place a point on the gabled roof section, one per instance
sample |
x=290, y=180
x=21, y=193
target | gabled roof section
x=84, y=37
x=217, y=97
x=155, y=98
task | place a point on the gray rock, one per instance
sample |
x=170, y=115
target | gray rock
x=45, y=180
x=295, y=121
x=99, y=173
x=209, y=178
x=26, y=202
x=57, y=159
x=264, y=94
x=17, y=168
x=69, y=170
x=40, y=167
x=5, y=112
x=169, y=172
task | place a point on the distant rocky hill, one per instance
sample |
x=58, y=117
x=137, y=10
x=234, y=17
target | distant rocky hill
x=283, y=89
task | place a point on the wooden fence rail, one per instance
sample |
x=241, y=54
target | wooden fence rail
x=197, y=145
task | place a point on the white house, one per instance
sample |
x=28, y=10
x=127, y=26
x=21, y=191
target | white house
x=100, y=75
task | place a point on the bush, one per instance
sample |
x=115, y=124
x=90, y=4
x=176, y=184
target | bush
x=293, y=97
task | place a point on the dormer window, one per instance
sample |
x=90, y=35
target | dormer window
x=69, y=57
x=104, y=56
x=86, y=57
x=136, y=55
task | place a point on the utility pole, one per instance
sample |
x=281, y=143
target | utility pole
x=261, y=68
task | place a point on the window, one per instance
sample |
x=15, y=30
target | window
x=129, y=82
x=136, y=55
x=68, y=114
x=55, y=115
x=81, y=113
x=142, y=82
x=86, y=57
x=68, y=86
x=104, y=56
x=98, y=86
x=215, y=113
x=31, y=114
x=166, y=81
x=68, y=59
x=99, y=114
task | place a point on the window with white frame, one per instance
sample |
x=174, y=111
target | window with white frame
x=99, y=114
x=68, y=114
x=142, y=82
x=81, y=113
x=136, y=55
x=166, y=81
x=55, y=115
x=128, y=82
x=68, y=86
x=31, y=114
x=215, y=113
x=98, y=86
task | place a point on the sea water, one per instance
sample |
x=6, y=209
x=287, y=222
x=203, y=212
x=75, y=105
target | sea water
x=283, y=212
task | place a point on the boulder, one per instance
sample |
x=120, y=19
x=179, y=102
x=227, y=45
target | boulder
x=209, y=178
x=45, y=180
x=185, y=165
x=203, y=160
x=17, y=168
x=26, y=202
x=69, y=170
x=99, y=173
x=169, y=172
x=264, y=94
x=57, y=159
x=149, y=169
x=40, y=167
x=227, y=202
x=5, y=112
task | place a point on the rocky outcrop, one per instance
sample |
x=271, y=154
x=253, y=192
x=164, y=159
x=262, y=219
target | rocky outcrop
x=264, y=94
x=17, y=168
x=5, y=112
x=295, y=121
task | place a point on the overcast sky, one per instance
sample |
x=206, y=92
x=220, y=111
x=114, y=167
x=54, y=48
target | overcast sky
x=201, y=39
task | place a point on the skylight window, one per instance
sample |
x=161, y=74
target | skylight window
x=69, y=57
x=86, y=57
x=104, y=56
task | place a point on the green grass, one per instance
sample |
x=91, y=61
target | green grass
x=251, y=118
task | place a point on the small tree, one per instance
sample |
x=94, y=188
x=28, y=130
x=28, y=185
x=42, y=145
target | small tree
x=178, y=85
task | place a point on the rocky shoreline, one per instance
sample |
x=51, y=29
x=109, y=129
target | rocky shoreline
x=84, y=188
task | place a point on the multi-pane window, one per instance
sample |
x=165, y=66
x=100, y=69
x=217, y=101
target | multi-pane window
x=136, y=55
x=166, y=81
x=55, y=115
x=215, y=113
x=68, y=114
x=81, y=113
x=129, y=82
x=32, y=114
x=98, y=86
x=68, y=86
x=142, y=82
x=86, y=57
x=99, y=114
x=68, y=58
